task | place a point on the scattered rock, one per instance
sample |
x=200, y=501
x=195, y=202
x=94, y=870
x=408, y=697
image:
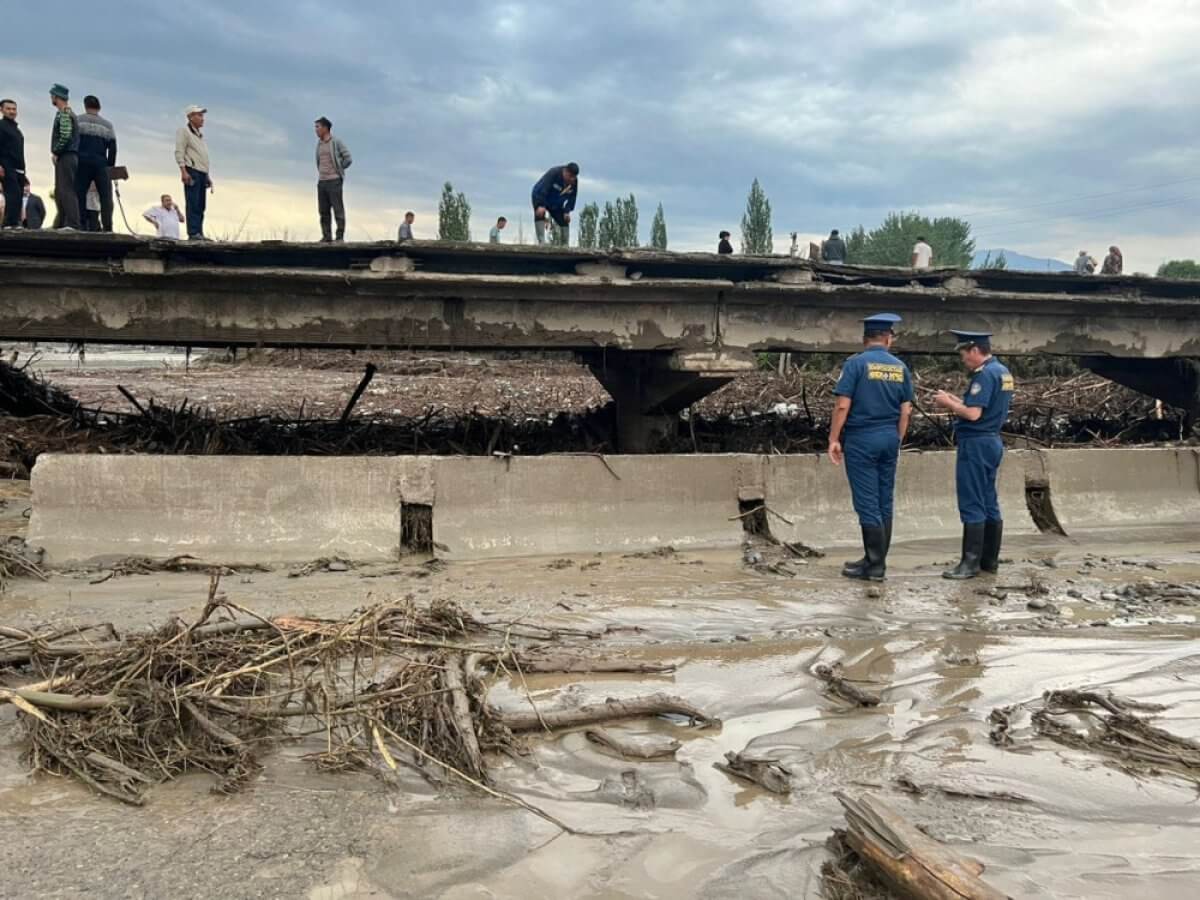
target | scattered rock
x=337, y=566
x=1036, y=603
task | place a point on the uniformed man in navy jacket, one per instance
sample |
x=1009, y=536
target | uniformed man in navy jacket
x=981, y=415
x=870, y=418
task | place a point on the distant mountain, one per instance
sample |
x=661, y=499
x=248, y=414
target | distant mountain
x=1022, y=263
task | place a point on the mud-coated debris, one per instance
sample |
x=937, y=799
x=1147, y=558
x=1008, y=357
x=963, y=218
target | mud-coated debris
x=338, y=566
x=962, y=659
x=560, y=564
x=1074, y=594
x=1109, y=597
x=1038, y=603
x=770, y=774
x=627, y=789
x=645, y=746
x=874, y=592
x=742, y=637
x=323, y=564
x=837, y=684
x=656, y=553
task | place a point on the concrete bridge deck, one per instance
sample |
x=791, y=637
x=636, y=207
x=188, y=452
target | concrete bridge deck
x=659, y=329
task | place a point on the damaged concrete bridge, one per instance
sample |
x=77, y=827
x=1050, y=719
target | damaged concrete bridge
x=659, y=330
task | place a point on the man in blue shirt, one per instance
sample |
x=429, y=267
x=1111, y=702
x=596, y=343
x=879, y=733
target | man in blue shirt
x=874, y=404
x=554, y=196
x=981, y=414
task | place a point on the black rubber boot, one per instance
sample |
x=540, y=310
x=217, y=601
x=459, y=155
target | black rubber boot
x=855, y=569
x=972, y=550
x=876, y=555
x=993, y=533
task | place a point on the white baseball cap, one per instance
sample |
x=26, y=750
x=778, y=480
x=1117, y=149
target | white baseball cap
x=194, y=109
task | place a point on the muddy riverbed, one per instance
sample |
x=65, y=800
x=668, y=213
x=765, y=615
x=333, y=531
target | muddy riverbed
x=942, y=656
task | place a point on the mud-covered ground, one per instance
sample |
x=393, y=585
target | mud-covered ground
x=942, y=656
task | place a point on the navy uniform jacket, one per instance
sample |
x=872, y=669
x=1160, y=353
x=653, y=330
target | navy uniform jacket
x=554, y=193
x=876, y=383
x=990, y=388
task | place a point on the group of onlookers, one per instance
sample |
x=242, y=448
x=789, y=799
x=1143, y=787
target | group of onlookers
x=1114, y=263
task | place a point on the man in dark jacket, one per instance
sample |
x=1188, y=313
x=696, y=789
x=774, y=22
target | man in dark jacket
x=554, y=195
x=833, y=250
x=97, y=152
x=33, y=210
x=64, y=150
x=12, y=162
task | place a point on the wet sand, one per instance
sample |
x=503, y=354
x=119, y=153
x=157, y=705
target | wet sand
x=942, y=655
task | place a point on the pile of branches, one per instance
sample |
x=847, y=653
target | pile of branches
x=389, y=685
x=769, y=412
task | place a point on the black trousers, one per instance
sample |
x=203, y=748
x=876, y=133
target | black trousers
x=13, y=192
x=329, y=199
x=65, y=196
x=95, y=170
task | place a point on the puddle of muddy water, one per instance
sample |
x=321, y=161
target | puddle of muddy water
x=942, y=656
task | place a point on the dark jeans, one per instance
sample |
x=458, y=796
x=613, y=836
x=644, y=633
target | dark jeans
x=96, y=170
x=13, y=191
x=65, y=197
x=195, y=197
x=329, y=199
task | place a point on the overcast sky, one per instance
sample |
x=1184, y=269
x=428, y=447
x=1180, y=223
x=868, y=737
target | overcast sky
x=1053, y=126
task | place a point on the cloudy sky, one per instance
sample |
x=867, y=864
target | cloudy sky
x=1053, y=125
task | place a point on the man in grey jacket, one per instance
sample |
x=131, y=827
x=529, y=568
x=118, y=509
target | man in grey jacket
x=333, y=159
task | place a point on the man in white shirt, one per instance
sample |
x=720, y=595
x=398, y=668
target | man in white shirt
x=494, y=234
x=922, y=254
x=165, y=218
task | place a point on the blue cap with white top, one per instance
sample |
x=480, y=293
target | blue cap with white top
x=968, y=339
x=880, y=323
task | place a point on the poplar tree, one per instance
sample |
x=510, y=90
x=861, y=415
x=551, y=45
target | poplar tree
x=454, y=215
x=589, y=222
x=658, y=230
x=757, y=238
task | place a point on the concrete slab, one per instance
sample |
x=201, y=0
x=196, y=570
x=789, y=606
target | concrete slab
x=1110, y=488
x=580, y=504
x=814, y=494
x=227, y=509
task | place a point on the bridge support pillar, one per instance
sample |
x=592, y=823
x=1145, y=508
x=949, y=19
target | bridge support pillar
x=650, y=389
x=1175, y=381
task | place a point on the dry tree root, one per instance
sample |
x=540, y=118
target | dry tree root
x=769, y=774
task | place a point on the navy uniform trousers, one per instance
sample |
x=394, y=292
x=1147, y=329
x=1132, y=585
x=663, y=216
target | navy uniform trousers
x=871, y=457
x=976, y=464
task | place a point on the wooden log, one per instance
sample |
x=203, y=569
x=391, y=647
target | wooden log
x=837, y=684
x=583, y=665
x=454, y=676
x=650, y=747
x=906, y=859
x=608, y=711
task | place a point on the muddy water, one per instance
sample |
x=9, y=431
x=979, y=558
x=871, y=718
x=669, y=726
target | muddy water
x=942, y=655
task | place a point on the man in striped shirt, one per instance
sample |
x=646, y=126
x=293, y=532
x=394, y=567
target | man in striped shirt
x=97, y=152
x=64, y=150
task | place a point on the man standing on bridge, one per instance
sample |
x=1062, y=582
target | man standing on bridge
x=333, y=159
x=554, y=196
x=64, y=151
x=97, y=154
x=981, y=414
x=191, y=155
x=874, y=404
x=12, y=163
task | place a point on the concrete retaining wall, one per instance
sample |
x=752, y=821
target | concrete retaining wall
x=579, y=504
x=815, y=495
x=1108, y=488
x=230, y=509
x=288, y=509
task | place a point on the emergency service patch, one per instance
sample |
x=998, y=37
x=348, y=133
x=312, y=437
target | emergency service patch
x=885, y=372
x=1006, y=383
x=976, y=388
